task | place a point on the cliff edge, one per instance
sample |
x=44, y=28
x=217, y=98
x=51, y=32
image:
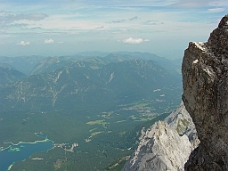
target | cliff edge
x=165, y=145
x=205, y=96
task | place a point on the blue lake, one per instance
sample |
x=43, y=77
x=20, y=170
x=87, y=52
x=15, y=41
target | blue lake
x=22, y=151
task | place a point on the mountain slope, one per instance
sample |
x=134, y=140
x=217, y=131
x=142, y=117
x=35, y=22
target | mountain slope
x=80, y=85
x=50, y=63
x=23, y=64
x=165, y=145
x=9, y=75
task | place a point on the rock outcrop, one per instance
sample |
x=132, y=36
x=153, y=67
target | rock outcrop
x=181, y=121
x=165, y=145
x=205, y=84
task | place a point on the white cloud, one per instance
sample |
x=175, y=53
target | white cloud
x=131, y=40
x=23, y=43
x=48, y=41
x=219, y=3
x=214, y=10
x=201, y=3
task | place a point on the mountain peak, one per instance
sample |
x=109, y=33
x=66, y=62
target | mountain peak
x=205, y=82
x=218, y=39
x=224, y=22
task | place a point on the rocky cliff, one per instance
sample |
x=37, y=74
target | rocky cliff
x=205, y=84
x=165, y=145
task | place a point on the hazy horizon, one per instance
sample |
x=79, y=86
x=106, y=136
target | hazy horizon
x=67, y=27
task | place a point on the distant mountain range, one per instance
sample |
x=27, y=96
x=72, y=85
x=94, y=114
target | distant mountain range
x=23, y=64
x=9, y=75
x=99, y=102
x=68, y=83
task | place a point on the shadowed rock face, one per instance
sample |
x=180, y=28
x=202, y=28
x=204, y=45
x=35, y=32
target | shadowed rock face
x=205, y=84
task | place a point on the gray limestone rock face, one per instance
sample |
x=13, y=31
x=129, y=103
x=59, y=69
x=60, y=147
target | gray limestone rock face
x=165, y=146
x=181, y=121
x=205, y=96
x=161, y=148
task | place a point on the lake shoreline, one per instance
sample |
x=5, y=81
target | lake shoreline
x=23, y=150
x=21, y=142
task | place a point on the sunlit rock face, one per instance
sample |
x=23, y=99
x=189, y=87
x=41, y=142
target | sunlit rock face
x=205, y=96
x=181, y=121
x=165, y=145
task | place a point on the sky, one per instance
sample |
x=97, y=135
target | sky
x=66, y=27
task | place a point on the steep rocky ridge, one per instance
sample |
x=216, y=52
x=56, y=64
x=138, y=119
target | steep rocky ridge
x=165, y=145
x=205, y=84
